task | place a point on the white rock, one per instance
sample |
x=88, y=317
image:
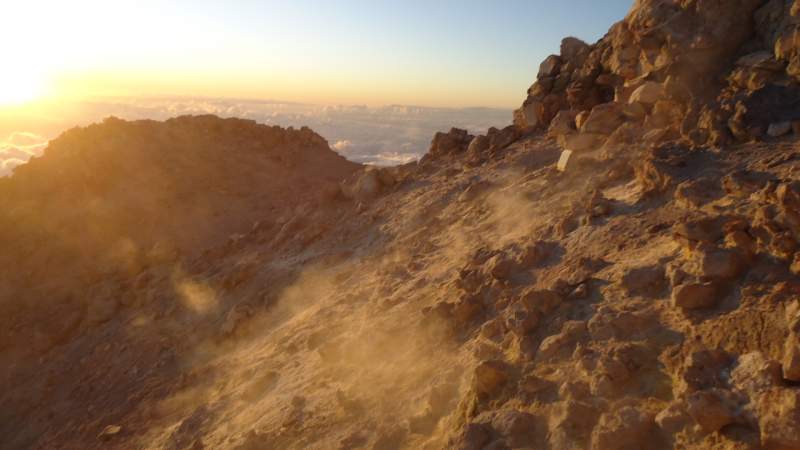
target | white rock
x=564, y=160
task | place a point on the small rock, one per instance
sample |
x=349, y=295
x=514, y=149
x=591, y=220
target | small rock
x=535, y=254
x=580, y=292
x=571, y=333
x=760, y=60
x=582, y=142
x=674, y=418
x=478, y=145
x=701, y=230
x=489, y=377
x=788, y=195
x=474, y=437
x=549, y=66
x=109, y=432
x=742, y=242
x=779, y=421
x=720, y=264
x=646, y=281
x=711, y=409
x=693, y=194
x=742, y=183
x=754, y=373
x=520, y=319
x=691, y=296
x=779, y=129
x=519, y=429
x=453, y=142
x=563, y=160
x=492, y=329
x=598, y=205
x=543, y=300
x=501, y=267
x=795, y=266
x=571, y=423
x=624, y=429
x=705, y=369
x=562, y=123
x=574, y=390
x=500, y=139
x=580, y=119
x=466, y=308
x=791, y=358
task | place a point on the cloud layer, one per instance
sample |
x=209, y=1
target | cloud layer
x=18, y=148
x=383, y=135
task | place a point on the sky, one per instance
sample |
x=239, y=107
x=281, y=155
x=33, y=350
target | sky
x=377, y=78
x=453, y=53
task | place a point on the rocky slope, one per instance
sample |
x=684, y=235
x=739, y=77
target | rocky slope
x=627, y=280
x=112, y=199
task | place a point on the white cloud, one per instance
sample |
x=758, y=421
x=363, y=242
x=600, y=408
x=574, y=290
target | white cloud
x=18, y=148
x=341, y=145
x=7, y=166
x=384, y=135
x=25, y=139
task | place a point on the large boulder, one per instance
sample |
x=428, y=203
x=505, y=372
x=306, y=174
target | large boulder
x=549, y=66
x=530, y=116
x=453, y=142
x=604, y=119
x=574, y=51
x=563, y=123
x=648, y=93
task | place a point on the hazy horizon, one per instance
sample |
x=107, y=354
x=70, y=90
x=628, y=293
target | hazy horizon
x=446, y=54
x=383, y=135
x=463, y=64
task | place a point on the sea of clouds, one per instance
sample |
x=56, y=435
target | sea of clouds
x=385, y=135
x=18, y=148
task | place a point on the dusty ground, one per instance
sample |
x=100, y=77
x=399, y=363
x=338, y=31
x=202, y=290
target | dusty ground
x=500, y=306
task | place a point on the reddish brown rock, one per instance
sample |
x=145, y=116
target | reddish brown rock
x=711, y=409
x=625, y=429
x=489, y=377
x=691, y=296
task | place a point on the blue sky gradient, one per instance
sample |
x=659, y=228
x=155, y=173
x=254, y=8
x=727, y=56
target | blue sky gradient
x=431, y=53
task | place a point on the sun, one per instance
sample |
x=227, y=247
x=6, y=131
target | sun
x=18, y=87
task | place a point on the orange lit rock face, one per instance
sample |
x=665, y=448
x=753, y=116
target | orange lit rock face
x=677, y=52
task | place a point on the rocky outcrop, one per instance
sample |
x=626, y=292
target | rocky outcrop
x=667, y=58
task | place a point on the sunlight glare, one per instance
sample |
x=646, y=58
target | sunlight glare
x=18, y=87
